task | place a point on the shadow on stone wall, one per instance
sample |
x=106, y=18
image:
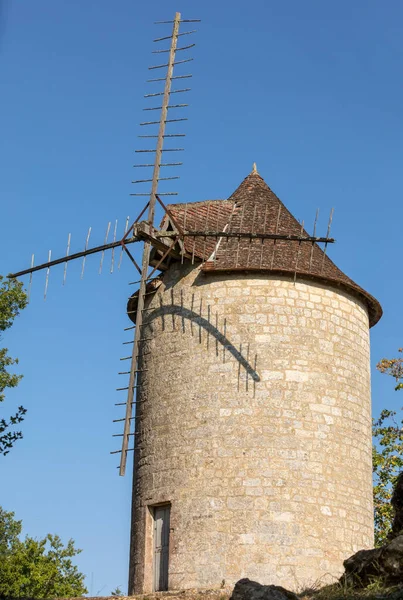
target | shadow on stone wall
x=196, y=320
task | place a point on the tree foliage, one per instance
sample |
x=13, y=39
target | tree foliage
x=12, y=300
x=117, y=592
x=387, y=453
x=34, y=568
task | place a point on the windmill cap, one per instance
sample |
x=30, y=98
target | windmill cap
x=255, y=208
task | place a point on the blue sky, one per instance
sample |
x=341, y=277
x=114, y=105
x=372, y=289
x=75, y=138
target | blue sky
x=312, y=91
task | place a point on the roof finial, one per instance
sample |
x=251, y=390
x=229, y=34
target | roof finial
x=254, y=169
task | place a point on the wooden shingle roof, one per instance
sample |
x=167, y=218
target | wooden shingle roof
x=255, y=208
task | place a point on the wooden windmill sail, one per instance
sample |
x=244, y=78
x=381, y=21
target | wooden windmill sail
x=145, y=235
x=178, y=237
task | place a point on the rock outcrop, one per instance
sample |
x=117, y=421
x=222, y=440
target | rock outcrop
x=385, y=562
x=245, y=589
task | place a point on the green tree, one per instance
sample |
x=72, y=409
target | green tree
x=12, y=300
x=387, y=453
x=36, y=568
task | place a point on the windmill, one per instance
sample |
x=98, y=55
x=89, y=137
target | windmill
x=171, y=242
x=237, y=463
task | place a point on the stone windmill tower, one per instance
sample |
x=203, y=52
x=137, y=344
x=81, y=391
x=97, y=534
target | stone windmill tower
x=250, y=367
x=253, y=419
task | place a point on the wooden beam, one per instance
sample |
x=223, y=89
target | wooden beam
x=146, y=233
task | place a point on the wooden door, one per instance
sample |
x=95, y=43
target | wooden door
x=161, y=548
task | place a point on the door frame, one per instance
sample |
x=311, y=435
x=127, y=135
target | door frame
x=153, y=510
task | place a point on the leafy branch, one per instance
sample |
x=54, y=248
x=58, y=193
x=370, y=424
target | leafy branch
x=387, y=454
x=12, y=300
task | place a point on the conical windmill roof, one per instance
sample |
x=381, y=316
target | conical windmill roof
x=255, y=208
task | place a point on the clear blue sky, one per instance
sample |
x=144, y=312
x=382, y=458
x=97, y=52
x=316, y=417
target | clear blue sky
x=312, y=91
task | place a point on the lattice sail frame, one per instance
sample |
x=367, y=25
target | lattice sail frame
x=159, y=244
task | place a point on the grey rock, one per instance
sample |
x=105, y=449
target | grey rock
x=362, y=565
x=392, y=559
x=385, y=562
x=245, y=589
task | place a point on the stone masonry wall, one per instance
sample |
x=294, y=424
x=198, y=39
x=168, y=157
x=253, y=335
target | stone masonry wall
x=254, y=423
